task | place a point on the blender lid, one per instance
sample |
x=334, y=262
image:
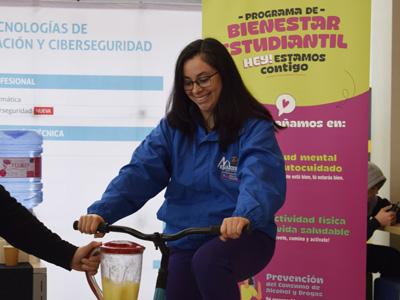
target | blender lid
x=122, y=247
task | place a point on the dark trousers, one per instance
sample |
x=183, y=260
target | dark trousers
x=213, y=271
x=383, y=259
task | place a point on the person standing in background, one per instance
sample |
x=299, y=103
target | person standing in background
x=381, y=213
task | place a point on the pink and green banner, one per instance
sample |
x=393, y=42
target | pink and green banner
x=308, y=62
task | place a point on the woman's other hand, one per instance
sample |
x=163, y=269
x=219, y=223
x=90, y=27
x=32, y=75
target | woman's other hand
x=232, y=227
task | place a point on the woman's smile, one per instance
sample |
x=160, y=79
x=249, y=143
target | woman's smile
x=203, y=85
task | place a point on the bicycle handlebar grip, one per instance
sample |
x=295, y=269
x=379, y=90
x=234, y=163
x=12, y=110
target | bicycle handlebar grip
x=247, y=228
x=75, y=225
x=103, y=227
x=216, y=229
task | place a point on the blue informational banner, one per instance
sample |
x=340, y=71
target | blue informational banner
x=93, y=81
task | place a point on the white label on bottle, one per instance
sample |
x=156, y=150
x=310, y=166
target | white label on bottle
x=20, y=167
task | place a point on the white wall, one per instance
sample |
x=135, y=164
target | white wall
x=381, y=70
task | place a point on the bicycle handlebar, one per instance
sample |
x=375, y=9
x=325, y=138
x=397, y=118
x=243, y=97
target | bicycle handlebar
x=105, y=228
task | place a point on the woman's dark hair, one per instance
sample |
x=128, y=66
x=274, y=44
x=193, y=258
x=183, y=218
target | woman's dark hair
x=235, y=106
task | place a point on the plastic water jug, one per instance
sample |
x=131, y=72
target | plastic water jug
x=21, y=165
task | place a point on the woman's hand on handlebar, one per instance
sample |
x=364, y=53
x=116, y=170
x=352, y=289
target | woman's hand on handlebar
x=232, y=227
x=89, y=224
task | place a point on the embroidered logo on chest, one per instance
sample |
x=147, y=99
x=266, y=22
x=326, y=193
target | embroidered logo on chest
x=228, y=168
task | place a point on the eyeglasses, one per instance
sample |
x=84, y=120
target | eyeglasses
x=202, y=81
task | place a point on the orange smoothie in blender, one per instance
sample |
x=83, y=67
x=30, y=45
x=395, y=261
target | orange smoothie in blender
x=127, y=290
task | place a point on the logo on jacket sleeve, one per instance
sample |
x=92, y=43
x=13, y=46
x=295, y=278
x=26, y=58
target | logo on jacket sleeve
x=228, y=168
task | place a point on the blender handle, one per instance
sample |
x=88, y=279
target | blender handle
x=92, y=280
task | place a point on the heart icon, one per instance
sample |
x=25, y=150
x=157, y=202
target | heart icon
x=285, y=103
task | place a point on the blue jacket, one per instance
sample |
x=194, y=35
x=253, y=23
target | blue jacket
x=204, y=185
